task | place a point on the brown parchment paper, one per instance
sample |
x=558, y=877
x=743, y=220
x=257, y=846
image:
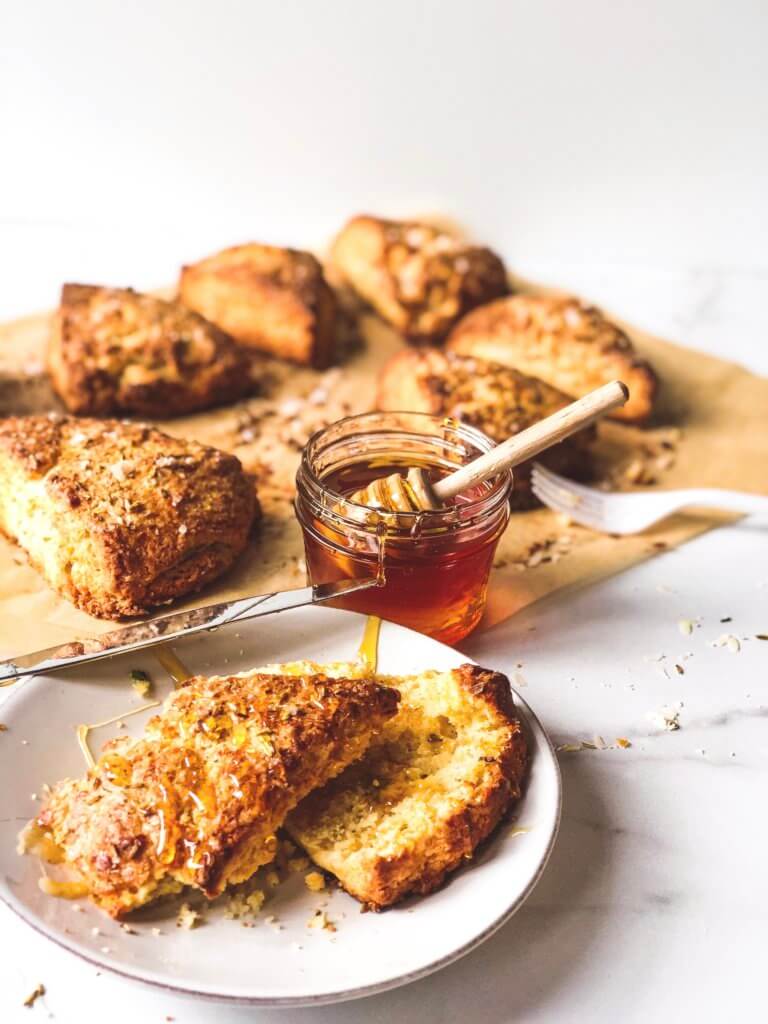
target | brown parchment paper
x=711, y=429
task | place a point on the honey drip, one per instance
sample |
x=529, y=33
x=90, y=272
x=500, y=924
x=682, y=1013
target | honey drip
x=172, y=665
x=83, y=730
x=369, y=646
x=64, y=889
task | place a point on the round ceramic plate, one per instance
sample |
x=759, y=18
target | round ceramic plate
x=279, y=960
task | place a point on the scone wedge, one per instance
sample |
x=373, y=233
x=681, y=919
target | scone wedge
x=569, y=345
x=418, y=278
x=271, y=299
x=119, y=517
x=197, y=800
x=496, y=399
x=114, y=350
x=429, y=790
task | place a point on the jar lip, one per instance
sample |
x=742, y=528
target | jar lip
x=497, y=493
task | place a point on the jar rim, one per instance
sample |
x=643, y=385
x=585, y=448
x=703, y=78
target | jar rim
x=345, y=510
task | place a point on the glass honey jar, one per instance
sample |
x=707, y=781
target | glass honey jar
x=433, y=565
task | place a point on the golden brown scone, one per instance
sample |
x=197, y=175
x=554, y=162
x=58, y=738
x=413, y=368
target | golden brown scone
x=198, y=799
x=560, y=341
x=496, y=399
x=113, y=350
x=429, y=789
x=271, y=299
x=117, y=516
x=418, y=278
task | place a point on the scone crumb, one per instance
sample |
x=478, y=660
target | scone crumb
x=623, y=742
x=314, y=881
x=321, y=922
x=141, y=683
x=298, y=863
x=34, y=995
x=188, y=917
x=244, y=904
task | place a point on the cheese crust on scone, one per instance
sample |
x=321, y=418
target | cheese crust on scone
x=561, y=341
x=417, y=278
x=428, y=791
x=496, y=399
x=114, y=350
x=197, y=800
x=119, y=517
x=271, y=299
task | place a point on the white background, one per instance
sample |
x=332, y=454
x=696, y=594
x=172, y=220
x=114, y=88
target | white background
x=618, y=149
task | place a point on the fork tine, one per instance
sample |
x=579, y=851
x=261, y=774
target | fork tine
x=587, y=493
x=553, y=499
x=570, y=493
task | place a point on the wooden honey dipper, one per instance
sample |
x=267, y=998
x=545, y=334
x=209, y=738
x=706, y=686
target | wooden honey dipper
x=415, y=493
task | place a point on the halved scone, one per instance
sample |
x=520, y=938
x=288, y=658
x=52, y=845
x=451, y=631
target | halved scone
x=496, y=399
x=117, y=516
x=114, y=350
x=268, y=298
x=569, y=345
x=197, y=800
x=418, y=278
x=429, y=790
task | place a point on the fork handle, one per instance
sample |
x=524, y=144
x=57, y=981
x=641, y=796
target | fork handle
x=535, y=439
x=714, y=497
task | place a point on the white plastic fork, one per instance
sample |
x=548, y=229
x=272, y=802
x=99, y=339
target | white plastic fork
x=631, y=513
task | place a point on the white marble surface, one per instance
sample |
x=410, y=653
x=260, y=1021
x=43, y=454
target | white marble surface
x=655, y=903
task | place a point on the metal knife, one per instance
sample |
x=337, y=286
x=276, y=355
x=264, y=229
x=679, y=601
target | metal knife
x=172, y=627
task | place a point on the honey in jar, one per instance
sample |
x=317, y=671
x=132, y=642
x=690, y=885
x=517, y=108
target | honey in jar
x=433, y=565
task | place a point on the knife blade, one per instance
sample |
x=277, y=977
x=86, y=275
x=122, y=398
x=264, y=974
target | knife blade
x=161, y=630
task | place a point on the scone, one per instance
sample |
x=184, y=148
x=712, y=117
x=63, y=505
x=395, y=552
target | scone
x=417, y=278
x=561, y=341
x=114, y=350
x=271, y=299
x=428, y=791
x=496, y=399
x=197, y=800
x=118, y=516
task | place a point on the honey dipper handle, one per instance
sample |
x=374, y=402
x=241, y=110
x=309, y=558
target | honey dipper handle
x=535, y=439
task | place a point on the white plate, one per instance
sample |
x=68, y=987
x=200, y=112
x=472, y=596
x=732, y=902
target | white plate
x=263, y=965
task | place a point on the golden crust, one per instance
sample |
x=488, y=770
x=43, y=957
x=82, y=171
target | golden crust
x=271, y=299
x=563, y=342
x=418, y=278
x=496, y=399
x=118, y=516
x=429, y=790
x=113, y=350
x=198, y=799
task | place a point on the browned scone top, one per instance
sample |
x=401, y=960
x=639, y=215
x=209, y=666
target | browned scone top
x=429, y=790
x=118, y=516
x=496, y=399
x=198, y=799
x=417, y=277
x=271, y=299
x=563, y=342
x=114, y=350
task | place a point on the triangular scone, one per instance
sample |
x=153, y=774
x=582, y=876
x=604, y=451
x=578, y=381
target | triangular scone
x=117, y=516
x=198, y=799
x=417, y=277
x=114, y=350
x=271, y=299
x=561, y=341
x=496, y=399
x=429, y=789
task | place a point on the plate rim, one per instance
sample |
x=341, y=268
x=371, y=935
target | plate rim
x=358, y=992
